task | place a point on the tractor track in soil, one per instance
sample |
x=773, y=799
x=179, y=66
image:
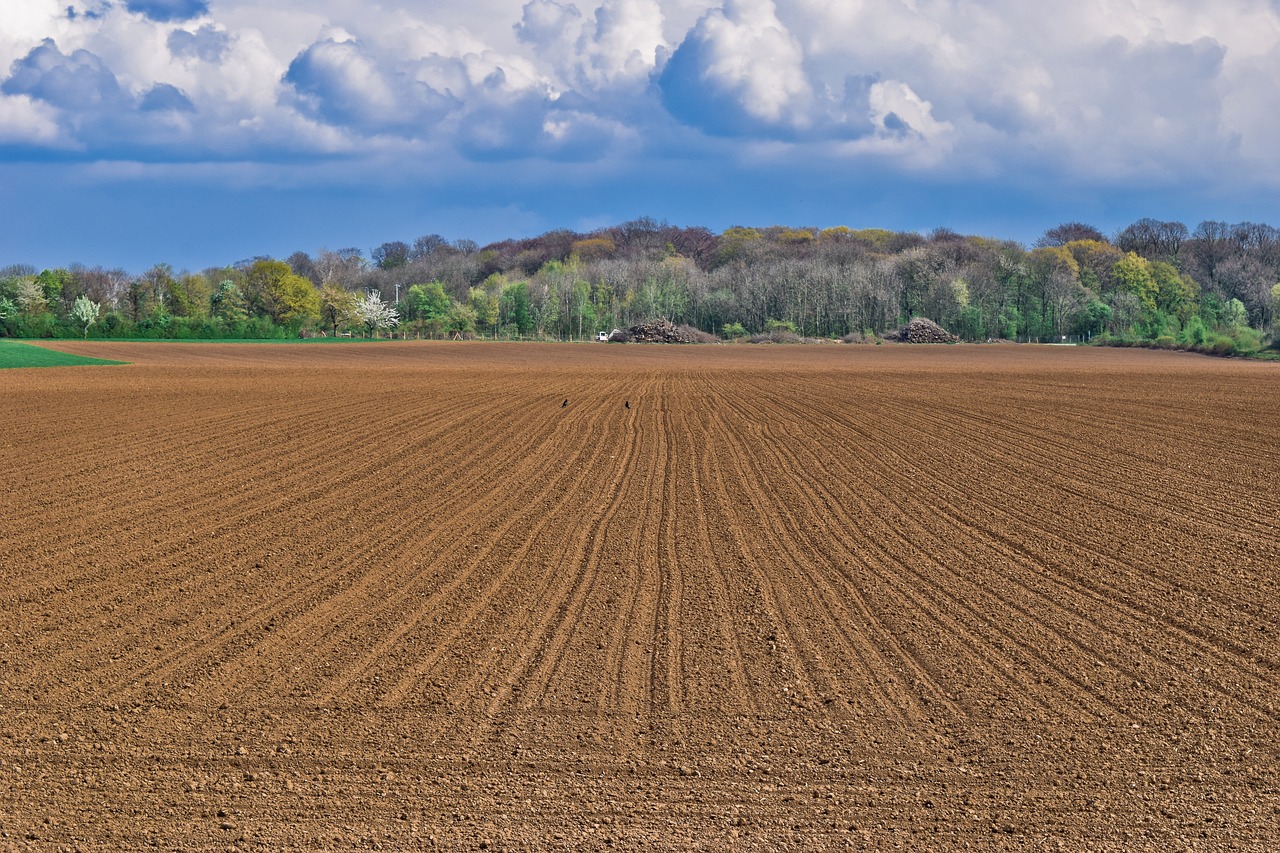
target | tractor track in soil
x=397, y=595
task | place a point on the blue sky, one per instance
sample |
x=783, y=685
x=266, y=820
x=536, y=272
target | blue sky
x=201, y=132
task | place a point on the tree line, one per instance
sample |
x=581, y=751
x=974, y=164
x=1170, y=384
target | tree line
x=1157, y=283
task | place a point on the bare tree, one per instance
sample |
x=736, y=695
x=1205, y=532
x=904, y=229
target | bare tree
x=1153, y=239
x=1069, y=232
x=391, y=255
x=343, y=267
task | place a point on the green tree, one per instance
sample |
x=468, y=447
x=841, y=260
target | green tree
x=429, y=306
x=485, y=306
x=1275, y=314
x=190, y=295
x=580, y=298
x=1236, y=315
x=1093, y=318
x=516, y=307
x=461, y=319
x=52, y=283
x=156, y=292
x=604, y=304
x=228, y=304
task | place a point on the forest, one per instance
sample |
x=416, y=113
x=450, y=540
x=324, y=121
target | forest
x=1214, y=288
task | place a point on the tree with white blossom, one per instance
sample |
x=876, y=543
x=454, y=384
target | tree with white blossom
x=86, y=312
x=375, y=313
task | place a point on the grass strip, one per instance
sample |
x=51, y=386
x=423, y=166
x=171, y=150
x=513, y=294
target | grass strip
x=16, y=354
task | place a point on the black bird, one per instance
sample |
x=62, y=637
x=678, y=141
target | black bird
x=565, y=403
x=627, y=404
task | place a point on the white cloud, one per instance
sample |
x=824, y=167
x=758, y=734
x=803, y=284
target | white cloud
x=740, y=70
x=25, y=121
x=623, y=44
x=898, y=111
x=550, y=25
x=338, y=82
x=1108, y=90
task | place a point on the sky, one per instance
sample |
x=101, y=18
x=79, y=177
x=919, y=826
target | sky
x=202, y=132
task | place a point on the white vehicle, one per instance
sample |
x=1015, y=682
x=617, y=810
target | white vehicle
x=602, y=336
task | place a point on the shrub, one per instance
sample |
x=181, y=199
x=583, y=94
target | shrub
x=1248, y=340
x=1194, y=333
x=1220, y=345
x=777, y=337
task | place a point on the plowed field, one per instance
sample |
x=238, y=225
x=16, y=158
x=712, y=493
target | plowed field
x=403, y=595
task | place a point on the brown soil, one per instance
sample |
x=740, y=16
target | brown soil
x=396, y=595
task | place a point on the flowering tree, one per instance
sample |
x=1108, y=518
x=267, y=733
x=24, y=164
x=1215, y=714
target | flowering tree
x=85, y=312
x=375, y=313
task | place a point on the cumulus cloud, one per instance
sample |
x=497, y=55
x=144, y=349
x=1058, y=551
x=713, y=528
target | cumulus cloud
x=623, y=44
x=24, y=121
x=1117, y=90
x=207, y=44
x=337, y=82
x=616, y=45
x=76, y=81
x=740, y=71
x=548, y=23
x=163, y=97
x=898, y=111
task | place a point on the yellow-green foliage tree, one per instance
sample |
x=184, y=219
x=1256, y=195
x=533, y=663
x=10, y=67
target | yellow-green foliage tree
x=735, y=243
x=1132, y=273
x=836, y=233
x=593, y=248
x=1096, y=260
x=337, y=307
x=486, y=301
x=1056, y=274
x=879, y=239
x=794, y=237
x=289, y=298
x=1177, y=294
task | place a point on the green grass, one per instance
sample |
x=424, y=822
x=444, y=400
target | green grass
x=15, y=354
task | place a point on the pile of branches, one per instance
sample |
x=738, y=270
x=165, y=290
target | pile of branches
x=666, y=332
x=921, y=331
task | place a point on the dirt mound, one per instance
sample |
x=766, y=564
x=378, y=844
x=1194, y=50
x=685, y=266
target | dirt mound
x=922, y=331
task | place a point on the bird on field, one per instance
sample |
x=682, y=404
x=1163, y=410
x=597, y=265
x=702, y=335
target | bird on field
x=627, y=404
x=565, y=403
